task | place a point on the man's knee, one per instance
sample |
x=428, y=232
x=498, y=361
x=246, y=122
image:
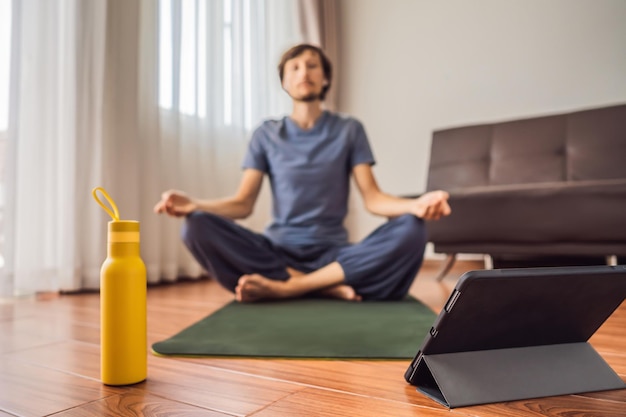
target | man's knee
x=411, y=230
x=197, y=226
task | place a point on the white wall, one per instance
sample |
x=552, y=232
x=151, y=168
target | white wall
x=408, y=67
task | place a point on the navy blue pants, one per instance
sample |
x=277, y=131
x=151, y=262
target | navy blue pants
x=380, y=267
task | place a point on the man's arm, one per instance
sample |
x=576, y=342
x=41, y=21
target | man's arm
x=430, y=206
x=239, y=206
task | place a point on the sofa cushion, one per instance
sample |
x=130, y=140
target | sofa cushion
x=460, y=157
x=596, y=144
x=528, y=151
x=579, y=146
x=556, y=212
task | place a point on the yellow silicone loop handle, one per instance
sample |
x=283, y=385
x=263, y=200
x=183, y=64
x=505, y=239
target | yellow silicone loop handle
x=115, y=214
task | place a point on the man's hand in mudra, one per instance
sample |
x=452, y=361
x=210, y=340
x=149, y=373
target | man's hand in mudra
x=431, y=206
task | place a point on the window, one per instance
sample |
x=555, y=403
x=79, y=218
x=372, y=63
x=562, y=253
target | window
x=192, y=34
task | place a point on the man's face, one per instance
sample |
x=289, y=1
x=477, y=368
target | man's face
x=303, y=77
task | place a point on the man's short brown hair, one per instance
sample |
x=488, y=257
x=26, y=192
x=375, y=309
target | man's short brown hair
x=298, y=50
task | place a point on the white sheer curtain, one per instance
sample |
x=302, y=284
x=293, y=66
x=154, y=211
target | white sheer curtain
x=5, y=64
x=209, y=77
x=57, y=52
x=137, y=97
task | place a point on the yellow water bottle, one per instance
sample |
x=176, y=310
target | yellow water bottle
x=123, y=328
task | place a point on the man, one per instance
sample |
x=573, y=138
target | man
x=309, y=157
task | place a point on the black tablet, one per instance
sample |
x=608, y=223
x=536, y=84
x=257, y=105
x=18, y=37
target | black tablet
x=517, y=316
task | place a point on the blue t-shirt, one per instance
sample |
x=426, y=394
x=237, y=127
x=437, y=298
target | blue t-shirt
x=309, y=171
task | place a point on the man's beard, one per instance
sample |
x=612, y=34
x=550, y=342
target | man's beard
x=308, y=98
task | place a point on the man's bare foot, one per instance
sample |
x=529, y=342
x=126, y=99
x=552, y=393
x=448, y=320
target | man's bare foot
x=256, y=287
x=342, y=292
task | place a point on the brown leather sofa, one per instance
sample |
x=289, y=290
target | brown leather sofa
x=542, y=186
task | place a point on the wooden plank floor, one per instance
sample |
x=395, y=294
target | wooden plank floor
x=49, y=365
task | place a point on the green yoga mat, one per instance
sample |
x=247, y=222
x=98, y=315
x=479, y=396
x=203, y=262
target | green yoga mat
x=306, y=328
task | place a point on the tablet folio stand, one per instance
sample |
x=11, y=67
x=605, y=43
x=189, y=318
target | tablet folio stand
x=463, y=378
x=470, y=378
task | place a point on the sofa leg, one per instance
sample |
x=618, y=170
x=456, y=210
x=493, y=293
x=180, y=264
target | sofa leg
x=450, y=259
x=488, y=260
x=611, y=260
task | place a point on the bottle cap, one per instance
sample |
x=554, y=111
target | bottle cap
x=120, y=231
x=123, y=231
